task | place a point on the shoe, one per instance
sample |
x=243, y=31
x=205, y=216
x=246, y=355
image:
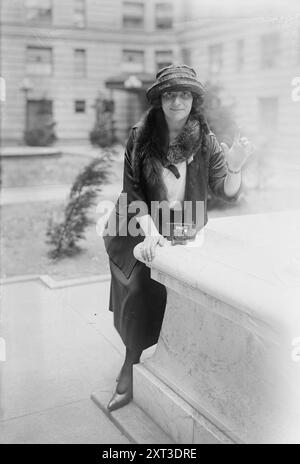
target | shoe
x=117, y=379
x=119, y=400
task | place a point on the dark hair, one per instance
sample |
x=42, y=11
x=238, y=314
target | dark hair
x=154, y=115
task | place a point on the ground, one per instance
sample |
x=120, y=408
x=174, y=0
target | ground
x=24, y=248
x=32, y=171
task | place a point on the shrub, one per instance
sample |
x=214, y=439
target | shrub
x=64, y=236
x=41, y=136
x=103, y=132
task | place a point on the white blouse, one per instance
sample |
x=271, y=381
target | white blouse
x=175, y=187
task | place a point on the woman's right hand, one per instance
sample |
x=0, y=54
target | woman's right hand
x=149, y=244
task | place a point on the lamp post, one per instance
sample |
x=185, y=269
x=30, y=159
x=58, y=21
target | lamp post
x=133, y=82
x=26, y=87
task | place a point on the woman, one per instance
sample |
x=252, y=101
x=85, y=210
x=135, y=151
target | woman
x=170, y=155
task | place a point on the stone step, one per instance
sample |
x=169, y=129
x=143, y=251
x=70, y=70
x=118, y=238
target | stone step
x=132, y=421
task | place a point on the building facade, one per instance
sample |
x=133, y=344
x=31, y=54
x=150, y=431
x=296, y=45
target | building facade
x=64, y=54
x=255, y=57
x=64, y=51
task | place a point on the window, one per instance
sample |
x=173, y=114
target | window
x=79, y=62
x=269, y=50
x=39, y=11
x=133, y=60
x=186, y=56
x=133, y=14
x=79, y=13
x=240, y=54
x=268, y=115
x=164, y=15
x=79, y=106
x=215, y=58
x=163, y=58
x=39, y=60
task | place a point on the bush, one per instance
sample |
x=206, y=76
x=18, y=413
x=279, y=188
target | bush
x=41, y=136
x=102, y=137
x=103, y=132
x=63, y=236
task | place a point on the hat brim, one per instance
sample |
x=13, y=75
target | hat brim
x=157, y=90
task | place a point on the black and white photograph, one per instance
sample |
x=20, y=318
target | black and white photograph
x=150, y=224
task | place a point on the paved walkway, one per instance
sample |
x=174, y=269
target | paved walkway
x=80, y=149
x=32, y=194
x=60, y=346
x=9, y=196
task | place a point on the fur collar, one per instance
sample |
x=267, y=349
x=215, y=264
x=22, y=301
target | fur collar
x=151, y=148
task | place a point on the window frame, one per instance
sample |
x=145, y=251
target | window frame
x=76, y=10
x=240, y=55
x=166, y=61
x=171, y=15
x=76, y=73
x=76, y=108
x=271, y=40
x=124, y=16
x=36, y=47
x=131, y=50
x=211, y=47
x=38, y=8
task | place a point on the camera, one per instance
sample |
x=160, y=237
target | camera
x=181, y=233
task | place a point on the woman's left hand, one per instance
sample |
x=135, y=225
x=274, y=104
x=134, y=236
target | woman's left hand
x=149, y=244
x=240, y=151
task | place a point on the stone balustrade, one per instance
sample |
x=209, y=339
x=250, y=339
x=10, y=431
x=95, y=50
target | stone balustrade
x=226, y=368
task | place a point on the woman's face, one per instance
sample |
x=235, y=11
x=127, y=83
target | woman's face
x=177, y=105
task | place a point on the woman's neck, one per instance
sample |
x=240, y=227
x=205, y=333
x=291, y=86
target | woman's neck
x=174, y=126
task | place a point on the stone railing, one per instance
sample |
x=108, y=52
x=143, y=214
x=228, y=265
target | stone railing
x=227, y=364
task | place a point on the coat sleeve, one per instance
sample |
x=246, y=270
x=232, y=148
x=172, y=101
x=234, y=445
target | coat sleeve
x=218, y=170
x=133, y=191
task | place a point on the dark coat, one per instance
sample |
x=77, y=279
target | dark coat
x=141, y=179
x=137, y=301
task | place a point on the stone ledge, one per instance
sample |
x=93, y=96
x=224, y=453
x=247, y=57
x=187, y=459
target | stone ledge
x=241, y=258
x=172, y=413
x=232, y=318
x=19, y=279
x=11, y=152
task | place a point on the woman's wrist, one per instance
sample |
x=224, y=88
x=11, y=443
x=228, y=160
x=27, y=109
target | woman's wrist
x=148, y=226
x=232, y=183
x=234, y=171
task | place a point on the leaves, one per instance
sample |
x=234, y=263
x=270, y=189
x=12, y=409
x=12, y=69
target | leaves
x=64, y=236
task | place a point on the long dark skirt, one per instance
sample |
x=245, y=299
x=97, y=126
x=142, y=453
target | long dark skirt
x=138, y=304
